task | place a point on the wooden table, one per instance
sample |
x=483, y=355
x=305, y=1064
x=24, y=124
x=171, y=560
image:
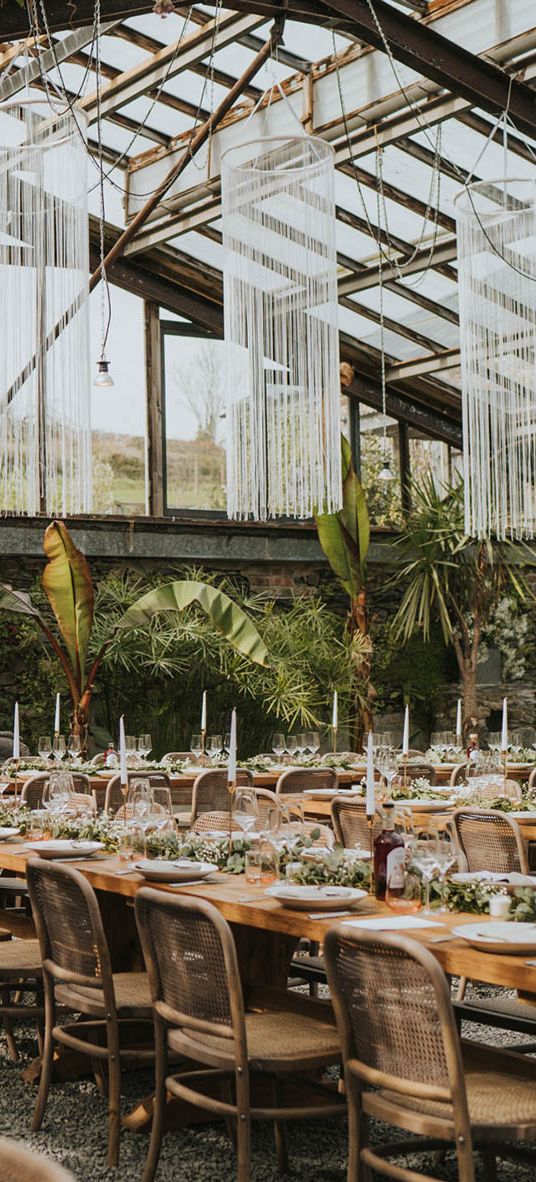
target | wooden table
x=267, y=932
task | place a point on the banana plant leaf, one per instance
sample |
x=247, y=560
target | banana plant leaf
x=226, y=616
x=344, y=536
x=17, y=601
x=68, y=586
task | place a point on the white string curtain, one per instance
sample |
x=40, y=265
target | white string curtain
x=45, y=418
x=496, y=226
x=281, y=333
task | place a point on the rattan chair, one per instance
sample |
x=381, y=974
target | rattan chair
x=210, y=798
x=199, y=1013
x=532, y=779
x=489, y=840
x=113, y=800
x=21, y=988
x=417, y=770
x=299, y=779
x=353, y=756
x=458, y=774
x=34, y=790
x=18, y=1164
x=177, y=756
x=405, y=1065
x=350, y=825
x=98, y=760
x=77, y=974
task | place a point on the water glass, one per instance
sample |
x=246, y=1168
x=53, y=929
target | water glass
x=145, y=745
x=160, y=800
x=262, y=865
x=44, y=746
x=58, y=747
x=445, y=855
x=132, y=842
x=38, y=825
x=196, y=746
x=246, y=809
x=60, y=787
x=423, y=856
x=139, y=796
x=403, y=890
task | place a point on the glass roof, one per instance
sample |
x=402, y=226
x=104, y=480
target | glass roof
x=396, y=215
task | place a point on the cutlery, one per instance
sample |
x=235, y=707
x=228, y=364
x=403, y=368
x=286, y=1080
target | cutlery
x=328, y=914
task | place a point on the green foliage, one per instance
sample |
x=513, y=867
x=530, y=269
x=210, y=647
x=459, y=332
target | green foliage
x=415, y=673
x=344, y=536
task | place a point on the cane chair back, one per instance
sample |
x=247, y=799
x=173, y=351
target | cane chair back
x=82, y=802
x=458, y=775
x=114, y=800
x=18, y=1164
x=398, y=1032
x=69, y=925
x=347, y=756
x=98, y=760
x=490, y=840
x=34, y=791
x=350, y=825
x=532, y=779
x=299, y=779
x=81, y=782
x=177, y=756
x=221, y=820
x=192, y=966
x=210, y=793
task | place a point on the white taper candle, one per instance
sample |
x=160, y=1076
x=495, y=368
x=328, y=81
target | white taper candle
x=459, y=726
x=16, y=732
x=335, y=711
x=405, y=736
x=231, y=770
x=371, y=798
x=122, y=752
x=204, y=712
x=504, y=732
x=57, y=715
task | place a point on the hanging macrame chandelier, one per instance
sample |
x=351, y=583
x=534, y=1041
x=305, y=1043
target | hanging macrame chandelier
x=496, y=225
x=45, y=425
x=280, y=313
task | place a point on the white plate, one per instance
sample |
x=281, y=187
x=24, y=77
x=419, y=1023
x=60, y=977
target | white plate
x=357, y=855
x=329, y=793
x=5, y=833
x=160, y=870
x=522, y=815
x=63, y=849
x=507, y=937
x=316, y=898
x=495, y=879
x=424, y=806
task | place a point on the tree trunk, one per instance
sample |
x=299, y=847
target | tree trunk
x=470, y=700
x=80, y=725
x=363, y=719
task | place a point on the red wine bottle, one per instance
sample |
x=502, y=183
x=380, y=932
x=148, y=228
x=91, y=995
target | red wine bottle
x=389, y=850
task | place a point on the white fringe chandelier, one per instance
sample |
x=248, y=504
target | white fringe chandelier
x=45, y=420
x=281, y=333
x=496, y=225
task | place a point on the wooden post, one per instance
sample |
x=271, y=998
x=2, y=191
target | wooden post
x=155, y=410
x=405, y=467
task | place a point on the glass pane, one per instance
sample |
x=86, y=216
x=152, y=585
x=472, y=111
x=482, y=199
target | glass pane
x=431, y=457
x=195, y=422
x=118, y=414
x=383, y=494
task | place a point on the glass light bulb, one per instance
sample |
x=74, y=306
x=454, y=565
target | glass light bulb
x=104, y=377
x=386, y=474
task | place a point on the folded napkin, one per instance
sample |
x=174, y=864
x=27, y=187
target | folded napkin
x=394, y=923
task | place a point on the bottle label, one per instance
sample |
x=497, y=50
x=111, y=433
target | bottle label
x=394, y=868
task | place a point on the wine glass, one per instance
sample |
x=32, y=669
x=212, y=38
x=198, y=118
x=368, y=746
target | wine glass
x=60, y=786
x=145, y=745
x=445, y=855
x=423, y=856
x=139, y=796
x=301, y=742
x=196, y=746
x=214, y=747
x=246, y=809
x=226, y=743
x=389, y=769
x=58, y=747
x=131, y=746
x=74, y=747
x=160, y=800
x=313, y=742
x=291, y=745
x=278, y=745
x=44, y=746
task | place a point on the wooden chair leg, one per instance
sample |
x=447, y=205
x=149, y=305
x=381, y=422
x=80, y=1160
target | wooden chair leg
x=355, y=1129
x=280, y=1132
x=226, y=1093
x=114, y=1095
x=10, y=1036
x=462, y=986
x=47, y=1060
x=243, y=1126
x=157, y=1128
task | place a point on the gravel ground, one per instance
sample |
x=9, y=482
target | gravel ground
x=74, y=1133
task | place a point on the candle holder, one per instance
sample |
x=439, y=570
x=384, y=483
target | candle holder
x=334, y=737
x=124, y=794
x=231, y=788
x=203, y=758
x=504, y=757
x=15, y=780
x=370, y=824
x=405, y=771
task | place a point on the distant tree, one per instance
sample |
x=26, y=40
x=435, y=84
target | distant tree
x=200, y=383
